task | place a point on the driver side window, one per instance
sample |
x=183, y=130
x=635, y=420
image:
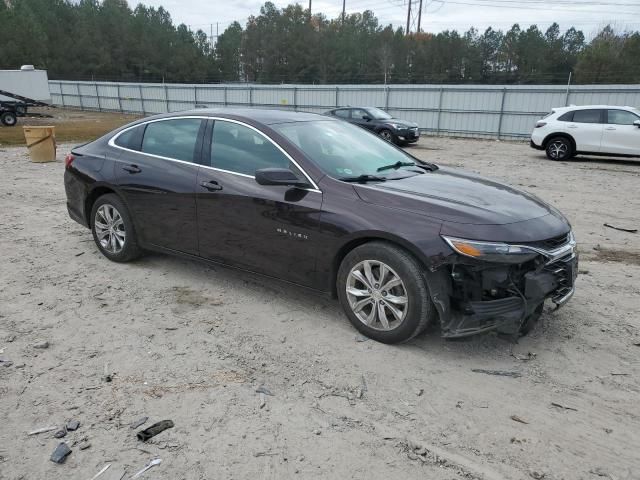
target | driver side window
x=359, y=114
x=239, y=149
x=621, y=117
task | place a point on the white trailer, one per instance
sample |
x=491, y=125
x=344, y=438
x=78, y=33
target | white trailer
x=26, y=82
x=20, y=89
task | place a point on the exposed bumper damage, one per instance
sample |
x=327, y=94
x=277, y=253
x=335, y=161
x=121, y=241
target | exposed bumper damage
x=474, y=296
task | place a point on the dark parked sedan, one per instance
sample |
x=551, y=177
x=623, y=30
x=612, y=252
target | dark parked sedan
x=316, y=202
x=395, y=130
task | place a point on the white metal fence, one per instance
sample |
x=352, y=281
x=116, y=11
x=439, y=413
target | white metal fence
x=463, y=110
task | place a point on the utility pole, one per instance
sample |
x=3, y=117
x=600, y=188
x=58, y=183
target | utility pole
x=408, y=15
x=211, y=35
x=309, y=8
x=343, y=9
x=419, y=15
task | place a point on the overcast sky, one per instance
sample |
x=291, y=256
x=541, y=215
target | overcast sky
x=438, y=15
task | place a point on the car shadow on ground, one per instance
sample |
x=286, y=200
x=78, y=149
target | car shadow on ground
x=294, y=298
x=606, y=160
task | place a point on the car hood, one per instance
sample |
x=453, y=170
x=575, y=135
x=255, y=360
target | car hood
x=456, y=196
x=401, y=123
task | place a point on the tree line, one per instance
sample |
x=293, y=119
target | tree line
x=108, y=40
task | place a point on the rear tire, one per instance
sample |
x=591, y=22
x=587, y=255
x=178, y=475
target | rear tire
x=384, y=293
x=9, y=119
x=559, y=149
x=113, y=230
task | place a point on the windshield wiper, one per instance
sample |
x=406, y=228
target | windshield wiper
x=396, y=166
x=363, y=178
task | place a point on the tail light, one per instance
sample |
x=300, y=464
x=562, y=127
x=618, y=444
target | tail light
x=68, y=160
x=540, y=124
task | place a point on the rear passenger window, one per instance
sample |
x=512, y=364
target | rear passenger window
x=130, y=138
x=172, y=138
x=621, y=117
x=341, y=113
x=567, y=117
x=239, y=149
x=586, y=116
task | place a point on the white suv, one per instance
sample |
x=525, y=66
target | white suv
x=592, y=130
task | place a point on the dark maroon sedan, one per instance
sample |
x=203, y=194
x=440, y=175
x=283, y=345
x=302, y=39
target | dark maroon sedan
x=320, y=203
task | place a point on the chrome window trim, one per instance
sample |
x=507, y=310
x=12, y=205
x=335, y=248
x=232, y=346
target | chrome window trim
x=112, y=143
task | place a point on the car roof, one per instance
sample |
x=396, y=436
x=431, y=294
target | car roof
x=591, y=107
x=265, y=116
x=351, y=106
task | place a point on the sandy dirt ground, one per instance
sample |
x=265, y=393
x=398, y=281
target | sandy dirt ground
x=192, y=343
x=71, y=125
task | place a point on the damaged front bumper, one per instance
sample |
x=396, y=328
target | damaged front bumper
x=475, y=296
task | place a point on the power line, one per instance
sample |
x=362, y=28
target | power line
x=537, y=7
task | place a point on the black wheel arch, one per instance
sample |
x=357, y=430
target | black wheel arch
x=368, y=237
x=98, y=191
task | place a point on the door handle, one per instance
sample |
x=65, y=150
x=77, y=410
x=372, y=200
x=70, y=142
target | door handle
x=573, y=126
x=610, y=128
x=132, y=168
x=211, y=185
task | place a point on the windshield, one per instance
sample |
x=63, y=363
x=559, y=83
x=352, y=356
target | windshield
x=344, y=151
x=379, y=114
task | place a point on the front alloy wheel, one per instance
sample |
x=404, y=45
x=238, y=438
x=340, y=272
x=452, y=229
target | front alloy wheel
x=383, y=292
x=377, y=295
x=387, y=135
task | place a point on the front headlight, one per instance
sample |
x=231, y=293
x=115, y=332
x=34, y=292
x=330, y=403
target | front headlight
x=491, y=251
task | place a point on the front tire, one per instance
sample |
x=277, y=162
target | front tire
x=559, y=149
x=383, y=293
x=9, y=119
x=388, y=135
x=113, y=229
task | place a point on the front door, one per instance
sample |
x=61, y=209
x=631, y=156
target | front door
x=360, y=116
x=265, y=229
x=620, y=134
x=158, y=181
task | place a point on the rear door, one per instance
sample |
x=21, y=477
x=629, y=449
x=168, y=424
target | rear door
x=343, y=113
x=158, y=181
x=620, y=135
x=586, y=128
x=265, y=229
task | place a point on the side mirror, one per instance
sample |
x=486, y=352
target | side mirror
x=367, y=118
x=279, y=176
x=637, y=123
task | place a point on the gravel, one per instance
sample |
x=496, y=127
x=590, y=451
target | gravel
x=192, y=343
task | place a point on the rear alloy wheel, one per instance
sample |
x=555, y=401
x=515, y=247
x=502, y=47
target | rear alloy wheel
x=8, y=119
x=387, y=135
x=383, y=292
x=559, y=148
x=113, y=229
